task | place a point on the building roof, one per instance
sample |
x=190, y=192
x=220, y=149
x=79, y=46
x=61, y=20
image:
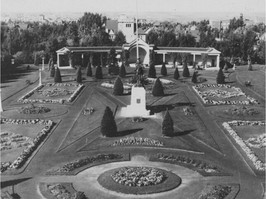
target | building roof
x=187, y=50
x=89, y=49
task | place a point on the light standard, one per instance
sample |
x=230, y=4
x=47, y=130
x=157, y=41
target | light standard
x=40, y=76
x=42, y=62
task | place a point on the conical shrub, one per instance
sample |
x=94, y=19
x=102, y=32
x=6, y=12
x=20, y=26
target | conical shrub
x=99, y=73
x=118, y=87
x=79, y=75
x=122, y=71
x=157, y=89
x=220, y=79
x=108, y=124
x=152, y=71
x=194, y=77
x=52, y=71
x=89, y=70
x=163, y=70
x=176, y=74
x=167, y=125
x=57, y=77
x=185, y=70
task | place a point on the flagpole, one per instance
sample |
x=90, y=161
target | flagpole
x=137, y=31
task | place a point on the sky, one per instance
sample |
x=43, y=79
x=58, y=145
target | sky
x=237, y=6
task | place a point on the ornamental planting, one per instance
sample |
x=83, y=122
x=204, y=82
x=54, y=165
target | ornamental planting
x=30, y=144
x=138, y=176
x=137, y=141
x=259, y=165
x=223, y=92
x=53, y=91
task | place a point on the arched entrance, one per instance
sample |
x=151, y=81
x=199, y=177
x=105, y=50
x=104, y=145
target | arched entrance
x=143, y=55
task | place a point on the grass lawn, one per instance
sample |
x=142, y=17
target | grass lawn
x=27, y=131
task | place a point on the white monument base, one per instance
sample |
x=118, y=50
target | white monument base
x=137, y=108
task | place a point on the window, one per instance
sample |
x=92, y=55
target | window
x=128, y=25
x=138, y=101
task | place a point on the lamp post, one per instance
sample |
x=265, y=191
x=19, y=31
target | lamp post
x=12, y=61
x=40, y=76
x=42, y=62
x=1, y=108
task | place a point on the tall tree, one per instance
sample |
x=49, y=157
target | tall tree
x=98, y=72
x=122, y=71
x=79, y=75
x=157, y=89
x=89, y=70
x=185, y=70
x=163, y=70
x=152, y=71
x=118, y=87
x=120, y=38
x=57, y=77
x=176, y=74
x=167, y=125
x=108, y=124
x=220, y=79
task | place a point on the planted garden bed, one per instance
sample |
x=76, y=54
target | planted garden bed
x=220, y=191
x=52, y=93
x=217, y=94
x=250, y=136
x=74, y=167
x=200, y=166
x=60, y=190
x=139, y=180
x=16, y=148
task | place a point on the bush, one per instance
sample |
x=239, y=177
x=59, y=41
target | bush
x=176, y=74
x=249, y=66
x=194, y=77
x=89, y=70
x=157, y=89
x=163, y=70
x=152, y=71
x=118, y=87
x=52, y=71
x=99, y=73
x=108, y=125
x=220, y=79
x=57, y=77
x=185, y=70
x=122, y=71
x=79, y=75
x=167, y=125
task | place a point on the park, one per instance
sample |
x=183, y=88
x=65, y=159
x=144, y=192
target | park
x=200, y=133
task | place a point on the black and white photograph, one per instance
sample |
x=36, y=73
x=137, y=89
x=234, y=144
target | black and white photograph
x=132, y=99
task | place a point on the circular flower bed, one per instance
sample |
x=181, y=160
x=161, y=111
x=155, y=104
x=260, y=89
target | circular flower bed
x=139, y=180
x=138, y=176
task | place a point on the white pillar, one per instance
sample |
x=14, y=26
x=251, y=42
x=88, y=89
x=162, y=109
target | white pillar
x=40, y=77
x=194, y=57
x=58, y=62
x=1, y=108
x=42, y=63
x=218, y=62
x=163, y=57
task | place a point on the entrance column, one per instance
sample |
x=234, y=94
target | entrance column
x=58, y=62
x=194, y=58
x=163, y=57
x=218, y=62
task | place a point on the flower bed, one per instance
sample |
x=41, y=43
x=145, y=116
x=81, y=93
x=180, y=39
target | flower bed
x=139, y=180
x=164, y=81
x=32, y=146
x=241, y=111
x=34, y=109
x=60, y=190
x=12, y=140
x=259, y=165
x=137, y=141
x=203, y=168
x=111, y=85
x=68, y=168
x=216, y=91
x=216, y=191
x=52, y=93
x=138, y=176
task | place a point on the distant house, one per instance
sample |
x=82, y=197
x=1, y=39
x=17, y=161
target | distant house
x=111, y=27
x=220, y=24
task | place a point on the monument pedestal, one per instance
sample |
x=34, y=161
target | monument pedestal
x=137, y=107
